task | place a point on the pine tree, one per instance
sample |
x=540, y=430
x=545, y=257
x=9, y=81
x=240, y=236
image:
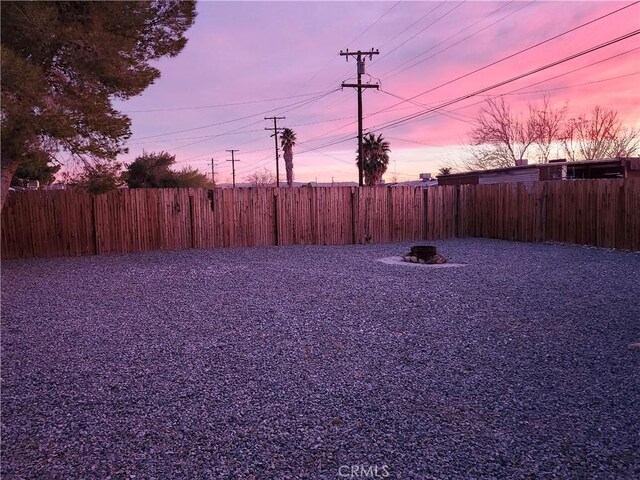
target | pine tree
x=64, y=62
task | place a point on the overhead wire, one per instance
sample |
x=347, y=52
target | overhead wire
x=397, y=122
x=279, y=110
x=406, y=29
x=333, y=58
x=388, y=74
x=531, y=84
x=435, y=110
x=375, y=22
x=232, y=104
x=519, y=52
x=419, y=32
x=514, y=91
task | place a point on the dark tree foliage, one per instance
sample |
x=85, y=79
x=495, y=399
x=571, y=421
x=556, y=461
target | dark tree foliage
x=190, y=178
x=35, y=167
x=376, y=159
x=100, y=177
x=151, y=170
x=64, y=62
x=288, y=141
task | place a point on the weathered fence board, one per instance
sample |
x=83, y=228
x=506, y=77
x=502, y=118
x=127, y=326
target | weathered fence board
x=604, y=213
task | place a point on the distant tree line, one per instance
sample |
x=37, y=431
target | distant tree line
x=501, y=137
x=149, y=170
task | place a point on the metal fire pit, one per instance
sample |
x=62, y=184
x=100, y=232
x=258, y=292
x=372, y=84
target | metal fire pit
x=423, y=252
x=427, y=254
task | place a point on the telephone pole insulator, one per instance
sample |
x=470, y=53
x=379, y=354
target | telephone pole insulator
x=360, y=70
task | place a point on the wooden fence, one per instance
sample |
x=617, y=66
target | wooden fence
x=604, y=213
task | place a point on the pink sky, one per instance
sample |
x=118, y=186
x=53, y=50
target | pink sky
x=270, y=55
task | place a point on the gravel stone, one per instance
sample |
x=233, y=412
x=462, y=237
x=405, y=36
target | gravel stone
x=303, y=362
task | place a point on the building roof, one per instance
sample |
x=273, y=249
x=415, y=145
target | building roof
x=603, y=161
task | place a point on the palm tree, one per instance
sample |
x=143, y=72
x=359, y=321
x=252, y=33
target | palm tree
x=376, y=158
x=444, y=171
x=288, y=140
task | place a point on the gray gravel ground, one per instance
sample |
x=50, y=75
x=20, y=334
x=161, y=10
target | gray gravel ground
x=302, y=362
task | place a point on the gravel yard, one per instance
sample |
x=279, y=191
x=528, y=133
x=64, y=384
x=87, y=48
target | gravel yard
x=320, y=362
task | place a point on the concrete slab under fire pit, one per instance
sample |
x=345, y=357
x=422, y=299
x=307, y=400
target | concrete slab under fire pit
x=400, y=261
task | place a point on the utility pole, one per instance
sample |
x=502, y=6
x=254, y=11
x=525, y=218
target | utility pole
x=233, y=165
x=213, y=173
x=360, y=70
x=275, y=134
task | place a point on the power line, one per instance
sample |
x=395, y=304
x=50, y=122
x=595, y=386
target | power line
x=435, y=112
x=482, y=68
x=299, y=104
x=513, y=92
x=442, y=111
x=350, y=42
x=575, y=85
x=335, y=142
x=454, y=44
x=418, y=33
x=248, y=102
x=376, y=21
x=526, y=86
x=414, y=23
x=294, y=105
x=512, y=79
x=523, y=50
x=207, y=137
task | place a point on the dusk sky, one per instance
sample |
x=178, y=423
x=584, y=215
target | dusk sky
x=248, y=60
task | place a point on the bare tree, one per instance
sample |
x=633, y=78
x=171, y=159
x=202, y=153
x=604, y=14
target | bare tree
x=261, y=178
x=482, y=157
x=549, y=124
x=502, y=137
x=599, y=136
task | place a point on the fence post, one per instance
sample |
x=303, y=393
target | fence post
x=542, y=226
x=191, y=222
x=456, y=215
x=276, y=216
x=94, y=224
x=426, y=213
x=354, y=216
